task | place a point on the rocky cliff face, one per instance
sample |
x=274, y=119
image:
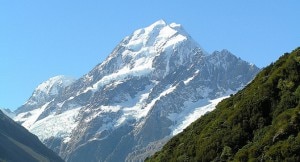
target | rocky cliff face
x=153, y=85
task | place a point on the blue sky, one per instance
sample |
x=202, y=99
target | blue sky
x=42, y=39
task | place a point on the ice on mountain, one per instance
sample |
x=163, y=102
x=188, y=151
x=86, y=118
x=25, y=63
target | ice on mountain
x=59, y=126
x=192, y=111
x=48, y=86
x=29, y=118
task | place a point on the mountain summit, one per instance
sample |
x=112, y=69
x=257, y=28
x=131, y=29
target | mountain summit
x=154, y=84
x=153, y=51
x=46, y=92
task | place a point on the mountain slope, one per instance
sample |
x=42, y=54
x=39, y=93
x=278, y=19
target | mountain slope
x=17, y=144
x=46, y=92
x=259, y=123
x=154, y=83
x=43, y=95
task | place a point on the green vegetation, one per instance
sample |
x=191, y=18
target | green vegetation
x=259, y=123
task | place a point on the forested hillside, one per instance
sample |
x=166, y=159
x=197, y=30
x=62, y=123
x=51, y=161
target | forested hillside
x=260, y=122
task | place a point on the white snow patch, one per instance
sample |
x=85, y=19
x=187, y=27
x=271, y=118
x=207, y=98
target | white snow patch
x=62, y=103
x=166, y=32
x=192, y=112
x=158, y=24
x=49, y=88
x=60, y=125
x=135, y=111
x=137, y=107
x=28, y=118
x=174, y=25
x=134, y=108
x=48, y=85
x=100, y=110
x=137, y=71
x=105, y=127
x=151, y=104
x=110, y=108
x=188, y=80
x=191, y=78
x=175, y=40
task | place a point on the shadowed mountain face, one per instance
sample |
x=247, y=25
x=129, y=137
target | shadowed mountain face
x=17, y=144
x=153, y=85
x=259, y=123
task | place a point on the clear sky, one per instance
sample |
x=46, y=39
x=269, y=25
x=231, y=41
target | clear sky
x=41, y=39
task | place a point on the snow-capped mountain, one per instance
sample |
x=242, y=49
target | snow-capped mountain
x=45, y=93
x=154, y=84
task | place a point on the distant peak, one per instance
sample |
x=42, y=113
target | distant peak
x=160, y=22
x=159, y=36
x=156, y=25
x=175, y=25
x=57, y=80
x=61, y=77
x=160, y=28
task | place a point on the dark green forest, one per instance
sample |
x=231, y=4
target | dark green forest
x=259, y=123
